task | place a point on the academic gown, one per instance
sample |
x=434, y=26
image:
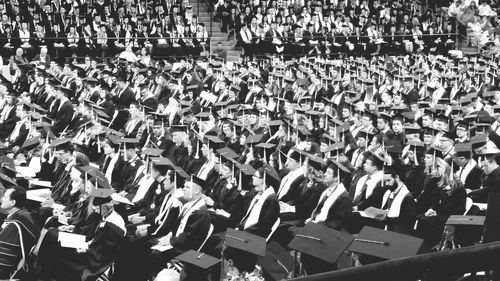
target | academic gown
x=307, y=199
x=431, y=228
x=227, y=198
x=67, y=264
x=63, y=117
x=10, y=250
x=267, y=217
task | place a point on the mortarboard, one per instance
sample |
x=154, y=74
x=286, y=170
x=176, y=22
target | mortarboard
x=465, y=220
x=200, y=260
x=196, y=180
x=321, y=242
x=385, y=244
x=245, y=241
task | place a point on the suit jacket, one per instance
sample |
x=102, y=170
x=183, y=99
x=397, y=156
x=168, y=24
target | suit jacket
x=306, y=201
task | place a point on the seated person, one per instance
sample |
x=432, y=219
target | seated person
x=189, y=232
x=67, y=264
x=18, y=225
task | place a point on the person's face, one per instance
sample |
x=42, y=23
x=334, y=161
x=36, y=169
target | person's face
x=133, y=110
x=7, y=203
x=189, y=191
x=107, y=148
x=346, y=113
x=381, y=125
x=157, y=130
x=329, y=176
x=426, y=121
x=428, y=139
x=291, y=164
x=487, y=165
x=361, y=142
x=368, y=166
x=442, y=125
x=226, y=129
x=257, y=180
x=461, y=161
x=461, y=132
x=373, y=144
x=428, y=160
x=19, y=52
x=253, y=119
x=397, y=126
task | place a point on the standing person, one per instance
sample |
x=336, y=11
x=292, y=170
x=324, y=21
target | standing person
x=19, y=233
x=491, y=230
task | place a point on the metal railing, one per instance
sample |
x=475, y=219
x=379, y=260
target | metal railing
x=432, y=266
x=358, y=40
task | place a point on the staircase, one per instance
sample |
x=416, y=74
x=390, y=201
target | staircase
x=217, y=35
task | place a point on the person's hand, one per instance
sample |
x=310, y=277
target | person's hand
x=209, y=201
x=49, y=202
x=141, y=232
x=81, y=250
x=430, y=213
x=165, y=240
x=137, y=219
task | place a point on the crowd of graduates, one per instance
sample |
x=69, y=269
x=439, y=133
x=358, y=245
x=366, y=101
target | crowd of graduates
x=317, y=27
x=100, y=28
x=169, y=169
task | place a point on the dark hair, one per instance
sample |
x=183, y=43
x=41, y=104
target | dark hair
x=19, y=195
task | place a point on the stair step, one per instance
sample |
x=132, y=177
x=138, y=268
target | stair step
x=214, y=43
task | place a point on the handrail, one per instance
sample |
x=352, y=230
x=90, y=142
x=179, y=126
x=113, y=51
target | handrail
x=463, y=260
x=193, y=37
x=379, y=36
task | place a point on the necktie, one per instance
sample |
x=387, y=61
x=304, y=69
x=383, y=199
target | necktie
x=388, y=204
x=106, y=163
x=362, y=193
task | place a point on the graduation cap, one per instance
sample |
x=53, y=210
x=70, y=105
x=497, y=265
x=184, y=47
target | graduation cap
x=101, y=195
x=30, y=143
x=322, y=242
x=463, y=149
x=266, y=147
x=436, y=152
x=214, y=142
x=465, y=220
x=253, y=139
x=59, y=142
x=196, y=180
x=384, y=244
x=245, y=241
x=198, y=259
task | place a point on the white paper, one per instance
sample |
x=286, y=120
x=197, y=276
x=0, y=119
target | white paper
x=208, y=97
x=118, y=198
x=161, y=248
x=71, y=240
x=373, y=213
x=26, y=172
x=39, y=195
x=40, y=183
